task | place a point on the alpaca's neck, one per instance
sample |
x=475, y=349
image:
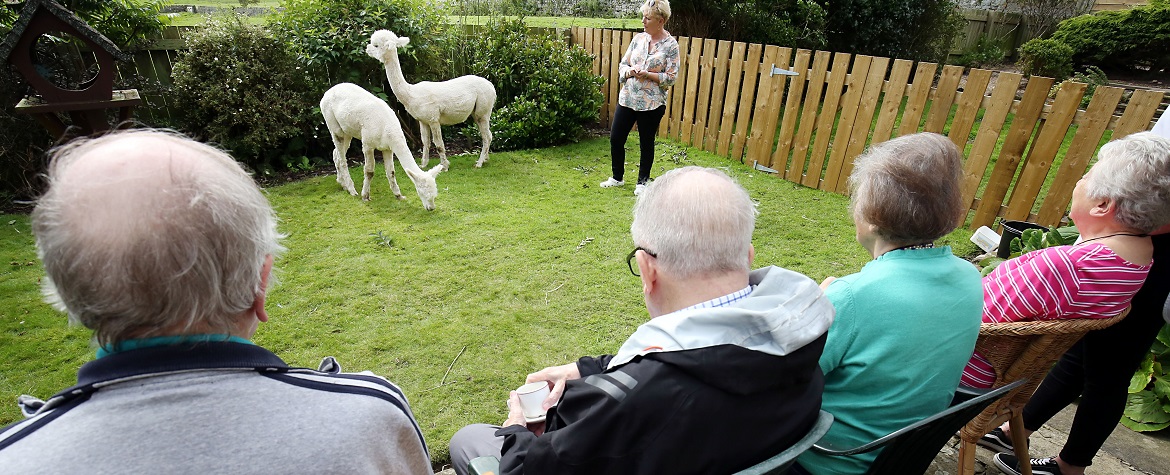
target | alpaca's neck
x=398, y=83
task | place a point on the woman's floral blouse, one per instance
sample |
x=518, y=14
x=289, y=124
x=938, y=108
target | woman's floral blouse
x=653, y=56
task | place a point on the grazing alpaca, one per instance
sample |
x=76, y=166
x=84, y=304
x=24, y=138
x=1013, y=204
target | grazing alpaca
x=435, y=104
x=350, y=112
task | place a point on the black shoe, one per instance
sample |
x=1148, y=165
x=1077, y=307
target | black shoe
x=1007, y=463
x=996, y=440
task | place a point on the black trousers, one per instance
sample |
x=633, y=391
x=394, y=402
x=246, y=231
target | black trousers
x=623, y=122
x=1099, y=366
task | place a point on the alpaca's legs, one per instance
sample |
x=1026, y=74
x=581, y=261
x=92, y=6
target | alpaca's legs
x=388, y=160
x=486, y=132
x=437, y=138
x=340, y=146
x=368, y=167
x=425, y=133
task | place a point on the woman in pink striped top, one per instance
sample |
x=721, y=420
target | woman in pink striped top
x=1115, y=206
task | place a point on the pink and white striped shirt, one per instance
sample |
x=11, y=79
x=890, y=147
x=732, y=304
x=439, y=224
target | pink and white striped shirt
x=1078, y=281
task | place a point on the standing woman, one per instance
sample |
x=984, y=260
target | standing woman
x=648, y=68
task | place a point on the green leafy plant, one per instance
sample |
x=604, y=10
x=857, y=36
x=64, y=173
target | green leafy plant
x=1092, y=77
x=330, y=37
x=1136, y=38
x=1148, y=408
x=546, y=92
x=798, y=23
x=985, y=51
x=1046, y=57
x=1031, y=240
x=238, y=85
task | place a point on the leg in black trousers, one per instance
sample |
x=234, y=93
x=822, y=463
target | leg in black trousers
x=647, y=128
x=624, y=119
x=623, y=123
x=1098, y=368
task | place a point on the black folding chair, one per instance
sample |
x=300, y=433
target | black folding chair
x=779, y=463
x=910, y=450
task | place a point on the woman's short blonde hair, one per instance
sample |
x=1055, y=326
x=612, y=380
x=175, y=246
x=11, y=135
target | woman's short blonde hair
x=659, y=8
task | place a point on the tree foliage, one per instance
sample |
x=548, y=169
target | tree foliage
x=915, y=29
x=238, y=85
x=330, y=37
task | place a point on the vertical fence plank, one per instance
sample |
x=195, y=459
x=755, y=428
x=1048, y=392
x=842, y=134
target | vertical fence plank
x=751, y=71
x=677, y=92
x=791, y=115
x=1043, y=151
x=1080, y=151
x=869, y=99
x=769, y=93
x=718, y=89
x=849, y=109
x=969, y=102
x=731, y=98
x=892, y=103
x=916, y=102
x=808, y=115
x=1006, y=85
x=1020, y=133
x=940, y=107
x=592, y=38
x=605, y=42
x=702, y=107
x=615, y=64
x=1138, y=113
x=694, y=61
x=826, y=119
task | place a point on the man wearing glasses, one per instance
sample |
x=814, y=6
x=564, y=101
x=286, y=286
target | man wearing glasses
x=723, y=376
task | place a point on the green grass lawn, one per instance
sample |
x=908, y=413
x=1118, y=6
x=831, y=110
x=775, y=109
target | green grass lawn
x=521, y=266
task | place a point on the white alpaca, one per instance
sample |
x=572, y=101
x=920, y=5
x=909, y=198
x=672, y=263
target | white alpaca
x=435, y=104
x=350, y=112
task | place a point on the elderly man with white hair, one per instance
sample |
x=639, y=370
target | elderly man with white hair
x=723, y=376
x=164, y=247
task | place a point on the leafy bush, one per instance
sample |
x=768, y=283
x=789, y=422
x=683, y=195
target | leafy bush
x=798, y=23
x=1138, y=38
x=330, y=37
x=1092, y=77
x=984, y=52
x=239, y=85
x=1046, y=57
x=1148, y=408
x=911, y=29
x=546, y=92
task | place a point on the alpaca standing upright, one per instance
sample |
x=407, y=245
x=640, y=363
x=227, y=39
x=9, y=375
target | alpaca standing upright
x=350, y=112
x=435, y=104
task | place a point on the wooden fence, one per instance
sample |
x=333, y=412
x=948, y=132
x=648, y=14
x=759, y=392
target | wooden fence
x=1024, y=151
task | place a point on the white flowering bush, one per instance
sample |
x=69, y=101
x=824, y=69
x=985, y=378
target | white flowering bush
x=237, y=85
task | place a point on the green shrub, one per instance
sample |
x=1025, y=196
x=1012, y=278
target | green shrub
x=799, y=23
x=984, y=52
x=911, y=29
x=1148, y=408
x=1138, y=38
x=330, y=37
x=546, y=92
x=1046, y=57
x=239, y=86
x=1092, y=77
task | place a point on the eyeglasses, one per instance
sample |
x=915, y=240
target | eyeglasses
x=630, y=259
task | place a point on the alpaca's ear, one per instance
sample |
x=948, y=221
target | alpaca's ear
x=434, y=172
x=403, y=41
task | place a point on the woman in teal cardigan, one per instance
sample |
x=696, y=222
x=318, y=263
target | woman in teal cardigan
x=907, y=322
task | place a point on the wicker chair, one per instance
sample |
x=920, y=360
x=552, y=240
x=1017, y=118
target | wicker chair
x=1019, y=350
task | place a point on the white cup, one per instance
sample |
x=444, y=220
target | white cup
x=531, y=397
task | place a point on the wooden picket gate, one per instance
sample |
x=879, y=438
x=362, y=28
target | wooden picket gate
x=809, y=128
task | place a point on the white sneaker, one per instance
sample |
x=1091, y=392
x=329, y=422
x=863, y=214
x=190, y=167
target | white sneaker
x=610, y=183
x=639, y=189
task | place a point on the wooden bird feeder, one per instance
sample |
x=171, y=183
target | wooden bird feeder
x=86, y=105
